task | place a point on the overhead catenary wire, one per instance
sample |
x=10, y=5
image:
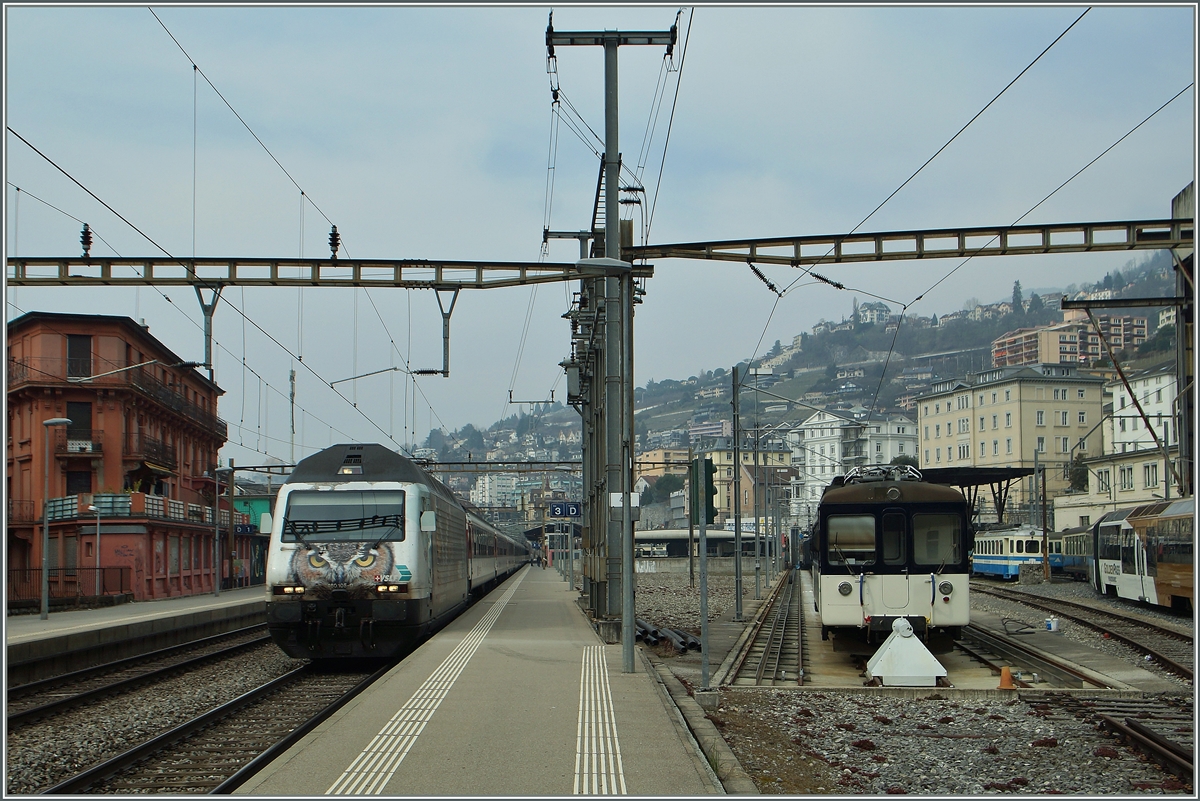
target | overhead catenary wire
x=200, y=281
x=808, y=270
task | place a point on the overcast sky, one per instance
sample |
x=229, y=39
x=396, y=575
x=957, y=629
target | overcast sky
x=425, y=133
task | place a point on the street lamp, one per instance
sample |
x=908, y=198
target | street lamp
x=53, y=421
x=99, y=571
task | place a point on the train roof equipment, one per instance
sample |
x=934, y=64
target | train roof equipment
x=904, y=661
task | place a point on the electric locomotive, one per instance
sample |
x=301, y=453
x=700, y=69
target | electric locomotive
x=890, y=545
x=369, y=554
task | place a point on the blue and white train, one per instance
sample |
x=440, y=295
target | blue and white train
x=1001, y=552
x=369, y=554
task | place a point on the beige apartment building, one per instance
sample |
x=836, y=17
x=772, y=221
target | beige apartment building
x=663, y=461
x=1072, y=342
x=1004, y=416
x=772, y=454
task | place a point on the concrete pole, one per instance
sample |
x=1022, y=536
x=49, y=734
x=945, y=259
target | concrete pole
x=757, y=518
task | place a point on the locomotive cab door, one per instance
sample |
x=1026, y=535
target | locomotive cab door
x=894, y=550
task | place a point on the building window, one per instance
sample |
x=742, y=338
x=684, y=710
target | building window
x=1008, y=419
x=937, y=453
x=1041, y=444
x=1126, y=478
x=995, y=447
x=1150, y=473
x=1041, y=418
x=995, y=423
x=1103, y=480
x=900, y=448
x=937, y=431
x=1122, y=424
x=1007, y=395
x=937, y=408
x=981, y=424
x=1056, y=394
x=1083, y=418
x=1008, y=445
x=964, y=425
x=79, y=355
x=993, y=397
x=1082, y=444
x=927, y=456
x=1066, y=444
x=926, y=432
x=1081, y=394
x=927, y=408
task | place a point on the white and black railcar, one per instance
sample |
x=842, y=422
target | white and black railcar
x=369, y=554
x=1146, y=553
x=888, y=545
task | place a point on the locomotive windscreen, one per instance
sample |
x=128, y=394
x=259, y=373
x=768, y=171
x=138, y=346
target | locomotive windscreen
x=936, y=538
x=344, y=516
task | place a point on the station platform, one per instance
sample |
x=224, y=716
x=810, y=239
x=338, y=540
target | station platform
x=517, y=697
x=84, y=637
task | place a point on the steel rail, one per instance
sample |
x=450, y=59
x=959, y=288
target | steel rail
x=1047, y=664
x=773, y=647
x=1167, y=662
x=22, y=690
x=1157, y=747
x=26, y=717
x=108, y=769
x=755, y=628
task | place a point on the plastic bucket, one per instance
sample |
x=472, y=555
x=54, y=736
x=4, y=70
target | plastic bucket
x=1051, y=624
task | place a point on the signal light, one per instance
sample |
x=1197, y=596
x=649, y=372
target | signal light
x=703, y=483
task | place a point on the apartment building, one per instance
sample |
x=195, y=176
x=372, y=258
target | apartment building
x=1116, y=481
x=771, y=453
x=137, y=461
x=662, y=461
x=1006, y=416
x=829, y=443
x=1155, y=390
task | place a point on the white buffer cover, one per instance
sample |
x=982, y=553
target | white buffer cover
x=903, y=660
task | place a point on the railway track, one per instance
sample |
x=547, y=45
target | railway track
x=1163, y=728
x=34, y=701
x=773, y=656
x=218, y=750
x=1171, y=649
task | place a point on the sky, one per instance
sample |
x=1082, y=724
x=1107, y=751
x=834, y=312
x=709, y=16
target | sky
x=426, y=132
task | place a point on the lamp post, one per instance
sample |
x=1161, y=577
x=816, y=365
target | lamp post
x=99, y=570
x=53, y=421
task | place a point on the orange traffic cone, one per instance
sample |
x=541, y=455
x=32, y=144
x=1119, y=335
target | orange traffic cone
x=1006, y=680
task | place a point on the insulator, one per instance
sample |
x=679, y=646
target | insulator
x=335, y=241
x=85, y=239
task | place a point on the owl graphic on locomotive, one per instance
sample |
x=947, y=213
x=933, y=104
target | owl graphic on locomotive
x=890, y=545
x=369, y=554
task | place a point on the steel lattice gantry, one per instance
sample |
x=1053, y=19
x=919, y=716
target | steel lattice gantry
x=935, y=243
x=214, y=273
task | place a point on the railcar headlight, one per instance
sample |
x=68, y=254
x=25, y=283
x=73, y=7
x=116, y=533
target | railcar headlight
x=945, y=588
x=893, y=493
x=844, y=588
x=287, y=589
x=390, y=588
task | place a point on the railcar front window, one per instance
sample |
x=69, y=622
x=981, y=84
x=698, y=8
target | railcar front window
x=851, y=540
x=937, y=539
x=344, y=516
x=893, y=539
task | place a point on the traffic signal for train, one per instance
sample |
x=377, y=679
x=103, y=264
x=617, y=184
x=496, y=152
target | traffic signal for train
x=703, y=483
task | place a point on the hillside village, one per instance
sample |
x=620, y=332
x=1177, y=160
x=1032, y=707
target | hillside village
x=841, y=394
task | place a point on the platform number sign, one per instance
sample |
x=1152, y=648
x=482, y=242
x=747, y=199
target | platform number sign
x=566, y=509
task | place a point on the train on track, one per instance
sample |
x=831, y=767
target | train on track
x=1145, y=553
x=369, y=554
x=887, y=545
x=1001, y=552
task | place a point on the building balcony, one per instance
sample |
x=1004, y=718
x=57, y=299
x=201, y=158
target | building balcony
x=135, y=505
x=78, y=441
x=21, y=511
x=58, y=372
x=151, y=450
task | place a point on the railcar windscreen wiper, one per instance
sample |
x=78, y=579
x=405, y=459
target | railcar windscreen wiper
x=344, y=515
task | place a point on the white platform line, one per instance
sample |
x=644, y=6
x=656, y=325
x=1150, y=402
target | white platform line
x=371, y=770
x=598, y=768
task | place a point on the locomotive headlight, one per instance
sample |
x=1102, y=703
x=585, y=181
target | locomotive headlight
x=287, y=589
x=844, y=588
x=893, y=493
x=945, y=588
